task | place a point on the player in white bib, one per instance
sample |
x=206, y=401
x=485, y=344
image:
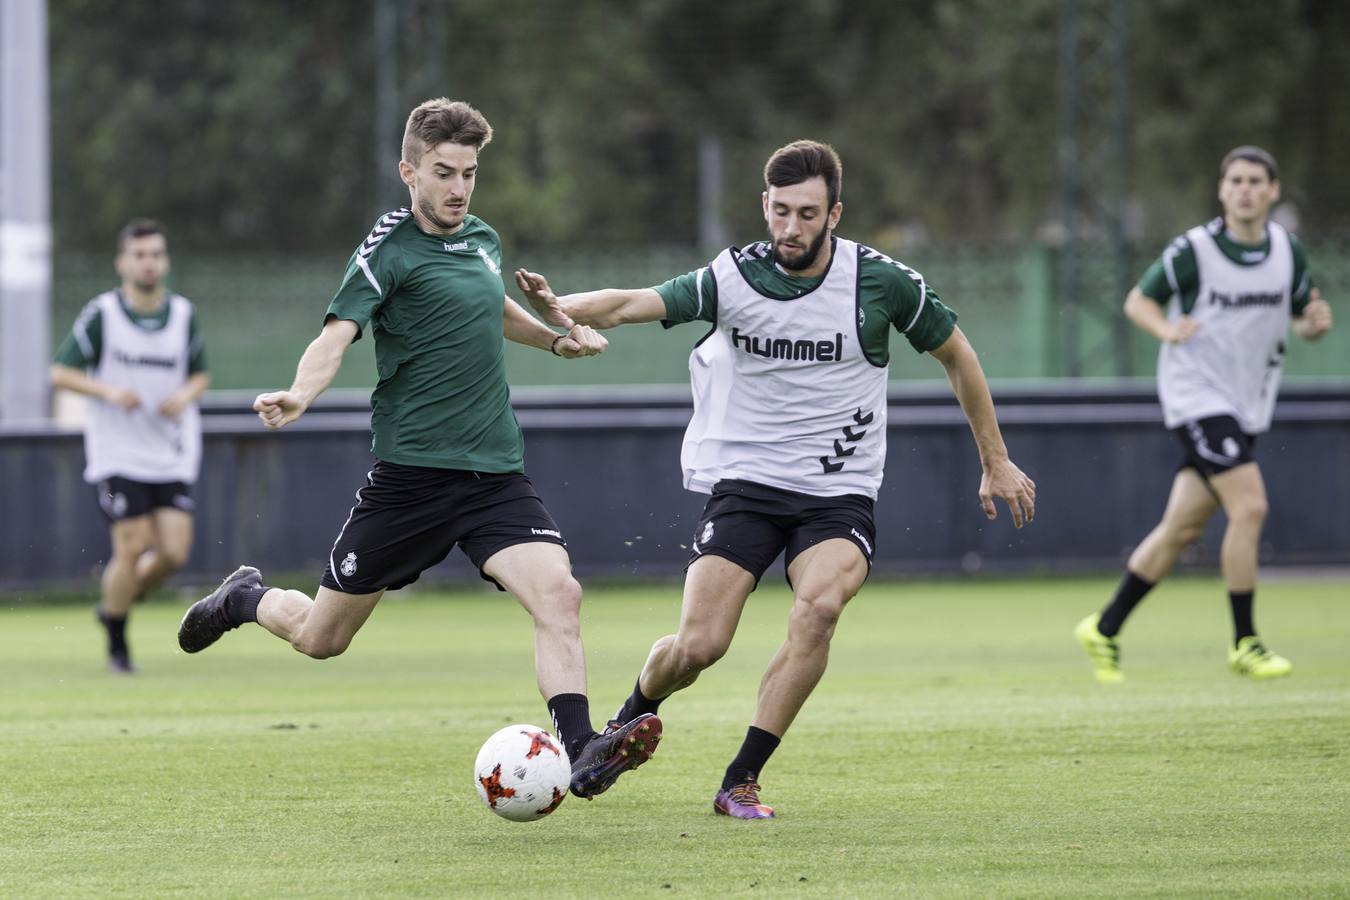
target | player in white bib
x=788, y=434
x=1221, y=300
x=137, y=353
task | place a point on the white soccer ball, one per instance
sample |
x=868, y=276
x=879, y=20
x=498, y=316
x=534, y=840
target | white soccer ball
x=522, y=773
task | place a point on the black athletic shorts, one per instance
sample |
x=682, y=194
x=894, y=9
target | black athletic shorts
x=122, y=498
x=1214, y=445
x=408, y=518
x=750, y=524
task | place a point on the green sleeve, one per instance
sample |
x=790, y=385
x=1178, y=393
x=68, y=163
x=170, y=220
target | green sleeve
x=934, y=325
x=689, y=297
x=366, y=283
x=1174, y=273
x=1303, y=282
x=196, y=347
x=913, y=308
x=84, y=345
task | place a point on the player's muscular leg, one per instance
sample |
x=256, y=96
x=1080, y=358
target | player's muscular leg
x=539, y=575
x=715, y=590
x=169, y=550
x=1189, y=507
x=825, y=578
x=1242, y=491
x=321, y=627
x=130, y=538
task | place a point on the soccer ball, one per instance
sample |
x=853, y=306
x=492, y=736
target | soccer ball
x=522, y=773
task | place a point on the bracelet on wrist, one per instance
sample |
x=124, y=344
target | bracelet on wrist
x=553, y=348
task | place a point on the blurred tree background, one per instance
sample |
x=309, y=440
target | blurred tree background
x=253, y=130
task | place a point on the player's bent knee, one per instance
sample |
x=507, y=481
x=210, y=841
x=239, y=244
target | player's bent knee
x=321, y=646
x=1251, y=512
x=815, y=619
x=171, y=559
x=559, y=605
x=568, y=595
x=697, y=655
x=1187, y=535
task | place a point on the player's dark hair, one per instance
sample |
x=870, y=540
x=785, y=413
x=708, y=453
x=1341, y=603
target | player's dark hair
x=803, y=160
x=440, y=120
x=137, y=228
x=1250, y=153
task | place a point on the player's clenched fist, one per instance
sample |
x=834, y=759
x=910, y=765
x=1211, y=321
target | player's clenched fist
x=278, y=408
x=582, y=340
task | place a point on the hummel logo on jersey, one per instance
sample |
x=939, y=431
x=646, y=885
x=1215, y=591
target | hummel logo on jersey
x=160, y=362
x=1231, y=301
x=496, y=270
x=451, y=248
x=786, y=348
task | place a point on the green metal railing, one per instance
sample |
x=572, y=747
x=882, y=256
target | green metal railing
x=257, y=314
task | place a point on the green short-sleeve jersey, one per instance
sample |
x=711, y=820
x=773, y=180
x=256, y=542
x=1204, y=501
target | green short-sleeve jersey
x=435, y=304
x=890, y=295
x=1176, y=273
x=83, y=346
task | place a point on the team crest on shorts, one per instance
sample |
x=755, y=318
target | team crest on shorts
x=348, y=566
x=1231, y=448
x=707, y=533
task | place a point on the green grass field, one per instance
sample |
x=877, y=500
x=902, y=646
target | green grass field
x=957, y=747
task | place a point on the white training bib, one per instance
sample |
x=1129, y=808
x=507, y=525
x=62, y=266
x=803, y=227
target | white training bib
x=1232, y=364
x=783, y=394
x=140, y=444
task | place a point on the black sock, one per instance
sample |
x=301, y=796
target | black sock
x=1131, y=590
x=755, y=752
x=572, y=721
x=637, y=704
x=1243, y=626
x=242, y=604
x=116, y=626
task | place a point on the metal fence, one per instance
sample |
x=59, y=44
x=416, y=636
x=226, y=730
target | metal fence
x=258, y=313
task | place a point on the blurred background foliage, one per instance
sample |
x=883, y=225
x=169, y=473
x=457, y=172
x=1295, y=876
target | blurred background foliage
x=254, y=131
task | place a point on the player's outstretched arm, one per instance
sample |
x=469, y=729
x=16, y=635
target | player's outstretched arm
x=522, y=328
x=1148, y=316
x=606, y=308
x=318, y=366
x=71, y=379
x=1000, y=477
x=1315, y=320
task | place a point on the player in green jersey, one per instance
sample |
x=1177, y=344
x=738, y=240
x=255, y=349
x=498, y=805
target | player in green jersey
x=788, y=434
x=137, y=353
x=1221, y=300
x=449, y=458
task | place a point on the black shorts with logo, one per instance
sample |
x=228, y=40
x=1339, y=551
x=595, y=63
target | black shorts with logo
x=408, y=518
x=1214, y=445
x=750, y=524
x=123, y=498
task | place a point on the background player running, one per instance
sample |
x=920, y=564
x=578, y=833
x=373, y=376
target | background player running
x=1221, y=299
x=137, y=352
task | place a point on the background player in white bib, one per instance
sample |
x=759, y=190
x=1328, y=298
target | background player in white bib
x=137, y=353
x=1221, y=300
x=788, y=434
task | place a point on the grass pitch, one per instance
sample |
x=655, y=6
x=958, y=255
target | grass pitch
x=957, y=747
